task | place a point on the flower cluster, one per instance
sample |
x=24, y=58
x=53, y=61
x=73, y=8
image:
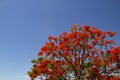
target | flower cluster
x=86, y=53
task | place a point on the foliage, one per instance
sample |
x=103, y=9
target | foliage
x=86, y=53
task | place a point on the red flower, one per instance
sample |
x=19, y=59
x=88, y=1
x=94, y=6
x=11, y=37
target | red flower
x=101, y=52
x=95, y=71
x=41, y=66
x=50, y=37
x=105, y=63
x=61, y=72
x=98, y=33
x=65, y=53
x=87, y=27
x=112, y=51
x=64, y=33
x=40, y=53
x=55, y=39
x=111, y=34
x=76, y=43
x=46, y=61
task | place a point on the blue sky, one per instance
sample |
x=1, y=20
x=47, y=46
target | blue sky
x=25, y=25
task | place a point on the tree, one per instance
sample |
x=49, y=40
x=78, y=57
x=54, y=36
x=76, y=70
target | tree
x=86, y=53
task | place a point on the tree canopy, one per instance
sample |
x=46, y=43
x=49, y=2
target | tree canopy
x=85, y=53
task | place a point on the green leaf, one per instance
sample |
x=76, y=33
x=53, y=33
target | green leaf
x=40, y=59
x=108, y=54
x=76, y=79
x=86, y=65
x=58, y=78
x=49, y=66
x=33, y=61
x=32, y=79
x=29, y=72
x=101, y=64
x=84, y=74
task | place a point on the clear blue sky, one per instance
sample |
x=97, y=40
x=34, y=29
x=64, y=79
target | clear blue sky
x=25, y=25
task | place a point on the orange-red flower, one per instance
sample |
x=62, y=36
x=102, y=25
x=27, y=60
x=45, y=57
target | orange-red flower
x=111, y=34
x=87, y=27
x=50, y=37
x=40, y=53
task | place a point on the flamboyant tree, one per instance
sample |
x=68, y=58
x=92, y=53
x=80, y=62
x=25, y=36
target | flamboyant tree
x=86, y=53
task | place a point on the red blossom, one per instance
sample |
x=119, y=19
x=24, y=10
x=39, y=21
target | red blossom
x=50, y=37
x=101, y=52
x=111, y=34
x=95, y=71
x=87, y=27
x=40, y=53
